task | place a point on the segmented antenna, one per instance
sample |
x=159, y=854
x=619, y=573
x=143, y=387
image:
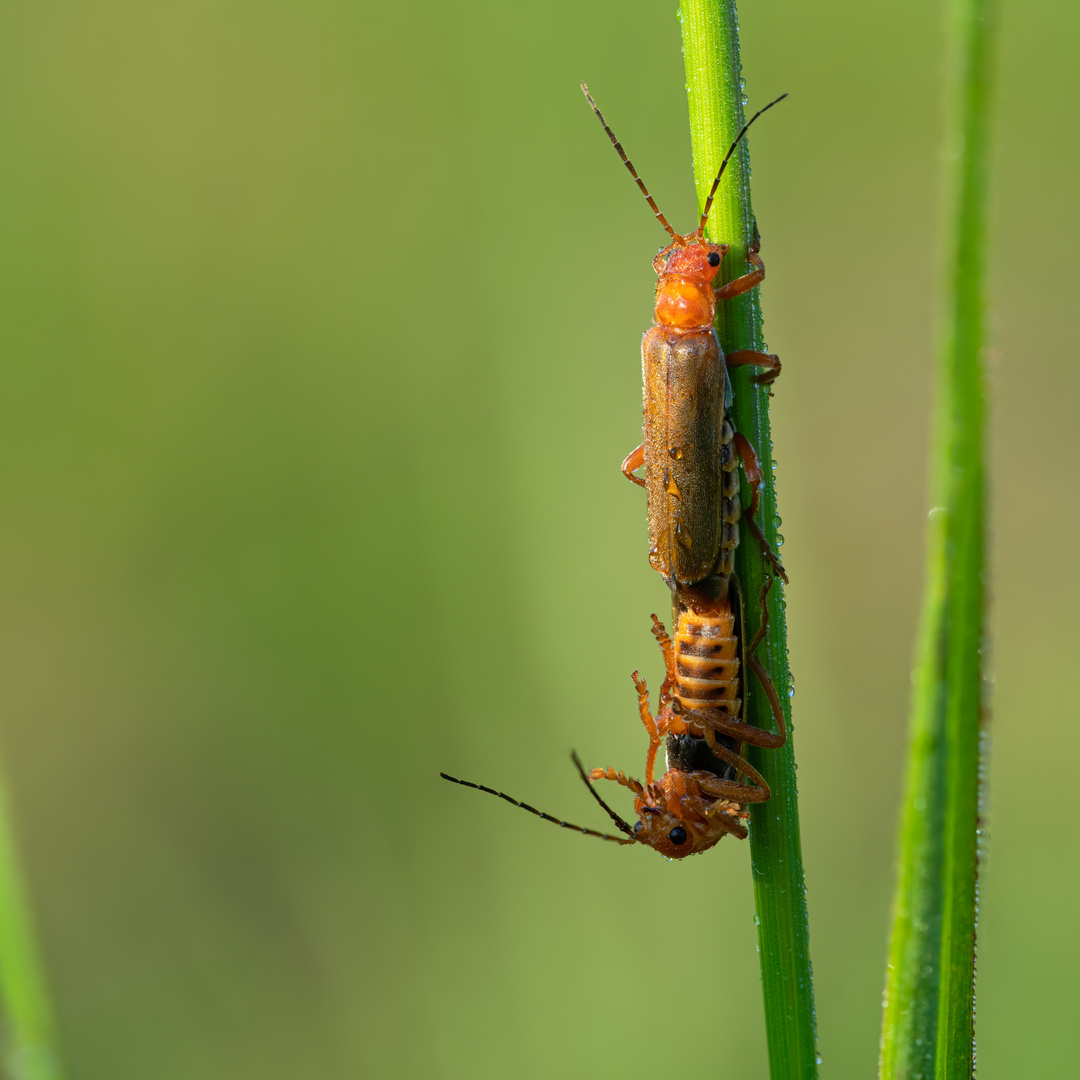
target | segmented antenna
x=547, y=817
x=596, y=795
x=633, y=172
x=723, y=164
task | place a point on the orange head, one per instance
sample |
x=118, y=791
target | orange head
x=684, y=293
x=676, y=822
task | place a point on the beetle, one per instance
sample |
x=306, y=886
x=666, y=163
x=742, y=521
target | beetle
x=700, y=798
x=690, y=450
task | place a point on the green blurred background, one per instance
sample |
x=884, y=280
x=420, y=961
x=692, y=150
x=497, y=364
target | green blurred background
x=321, y=333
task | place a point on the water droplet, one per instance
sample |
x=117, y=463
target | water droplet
x=673, y=488
x=777, y=521
x=675, y=452
x=779, y=540
x=682, y=535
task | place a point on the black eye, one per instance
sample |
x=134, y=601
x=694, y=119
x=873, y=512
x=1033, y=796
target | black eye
x=677, y=835
x=638, y=827
x=714, y=259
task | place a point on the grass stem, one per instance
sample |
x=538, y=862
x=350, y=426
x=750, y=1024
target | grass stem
x=29, y=1047
x=928, y=1027
x=715, y=91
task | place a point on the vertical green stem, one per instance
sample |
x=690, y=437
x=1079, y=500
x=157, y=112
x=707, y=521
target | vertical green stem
x=928, y=1028
x=714, y=88
x=26, y=1027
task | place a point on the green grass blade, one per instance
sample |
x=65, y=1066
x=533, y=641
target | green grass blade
x=714, y=89
x=929, y=1009
x=26, y=1026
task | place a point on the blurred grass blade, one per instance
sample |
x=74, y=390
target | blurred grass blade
x=929, y=1006
x=714, y=88
x=26, y=1026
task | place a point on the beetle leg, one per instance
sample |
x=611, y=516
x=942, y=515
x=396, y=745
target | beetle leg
x=619, y=777
x=650, y=726
x=695, y=807
x=752, y=468
x=713, y=720
x=668, y=652
x=755, y=792
x=664, y=641
x=745, y=283
x=770, y=692
x=634, y=460
x=643, y=706
x=694, y=810
x=761, y=359
x=766, y=585
x=724, y=813
x=733, y=827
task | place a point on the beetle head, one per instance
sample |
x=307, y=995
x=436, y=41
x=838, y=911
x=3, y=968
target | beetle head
x=670, y=826
x=691, y=258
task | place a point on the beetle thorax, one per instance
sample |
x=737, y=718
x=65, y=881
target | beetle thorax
x=684, y=294
x=683, y=303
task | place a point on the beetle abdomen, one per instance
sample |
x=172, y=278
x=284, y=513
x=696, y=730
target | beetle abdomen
x=707, y=662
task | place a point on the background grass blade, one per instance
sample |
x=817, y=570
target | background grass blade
x=28, y=1043
x=714, y=88
x=929, y=1011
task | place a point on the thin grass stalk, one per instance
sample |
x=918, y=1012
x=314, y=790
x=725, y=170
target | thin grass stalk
x=714, y=89
x=27, y=1032
x=928, y=1026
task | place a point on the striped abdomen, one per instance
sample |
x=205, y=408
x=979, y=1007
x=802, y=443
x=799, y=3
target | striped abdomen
x=707, y=661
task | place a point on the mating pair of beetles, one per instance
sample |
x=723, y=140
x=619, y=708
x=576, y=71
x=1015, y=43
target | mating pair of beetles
x=690, y=454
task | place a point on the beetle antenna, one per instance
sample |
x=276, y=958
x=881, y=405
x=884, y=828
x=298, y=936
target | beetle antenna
x=540, y=813
x=596, y=795
x=727, y=158
x=626, y=161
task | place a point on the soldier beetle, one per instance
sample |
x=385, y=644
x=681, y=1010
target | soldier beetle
x=700, y=798
x=689, y=447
